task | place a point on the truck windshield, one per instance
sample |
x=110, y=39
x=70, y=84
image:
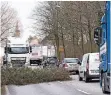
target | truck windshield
x=18, y=50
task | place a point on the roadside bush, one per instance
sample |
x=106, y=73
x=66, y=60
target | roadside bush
x=23, y=76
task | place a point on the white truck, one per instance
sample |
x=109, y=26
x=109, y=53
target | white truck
x=38, y=52
x=48, y=51
x=17, y=52
x=36, y=56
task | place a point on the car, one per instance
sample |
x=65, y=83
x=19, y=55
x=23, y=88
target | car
x=89, y=68
x=51, y=61
x=70, y=64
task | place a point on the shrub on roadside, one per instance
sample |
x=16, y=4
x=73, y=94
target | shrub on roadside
x=23, y=76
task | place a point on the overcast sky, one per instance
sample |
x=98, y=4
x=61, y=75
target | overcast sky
x=24, y=9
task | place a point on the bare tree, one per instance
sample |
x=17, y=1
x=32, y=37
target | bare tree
x=8, y=20
x=70, y=25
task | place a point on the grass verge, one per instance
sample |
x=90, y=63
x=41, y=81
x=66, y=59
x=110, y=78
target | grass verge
x=24, y=76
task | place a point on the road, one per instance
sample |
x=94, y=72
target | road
x=73, y=87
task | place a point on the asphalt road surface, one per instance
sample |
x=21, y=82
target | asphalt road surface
x=73, y=87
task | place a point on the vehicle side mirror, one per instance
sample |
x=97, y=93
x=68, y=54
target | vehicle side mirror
x=97, y=35
x=79, y=62
x=6, y=50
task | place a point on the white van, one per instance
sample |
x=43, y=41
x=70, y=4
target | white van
x=89, y=68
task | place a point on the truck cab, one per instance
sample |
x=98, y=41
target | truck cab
x=102, y=37
x=17, y=53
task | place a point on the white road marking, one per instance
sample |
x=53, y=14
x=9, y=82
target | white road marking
x=83, y=91
x=79, y=90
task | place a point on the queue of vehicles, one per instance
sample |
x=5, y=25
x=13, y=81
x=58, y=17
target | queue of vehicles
x=87, y=69
x=20, y=53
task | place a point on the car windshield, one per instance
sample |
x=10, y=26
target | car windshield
x=18, y=50
x=73, y=60
x=53, y=58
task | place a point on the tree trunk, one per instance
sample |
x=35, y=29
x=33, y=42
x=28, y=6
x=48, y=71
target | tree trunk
x=90, y=38
x=57, y=45
x=73, y=41
x=82, y=39
x=74, y=45
x=63, y=44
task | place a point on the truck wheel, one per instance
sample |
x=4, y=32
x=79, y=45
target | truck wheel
x=80, y=78
x=85, y=78
x=103, y=84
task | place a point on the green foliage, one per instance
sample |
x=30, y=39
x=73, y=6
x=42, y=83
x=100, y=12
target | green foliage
x=23, y=76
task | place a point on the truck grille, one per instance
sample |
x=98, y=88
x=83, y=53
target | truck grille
x=17, y=62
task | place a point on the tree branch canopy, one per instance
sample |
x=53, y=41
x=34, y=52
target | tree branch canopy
x=70, y=24
x=8, y=20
